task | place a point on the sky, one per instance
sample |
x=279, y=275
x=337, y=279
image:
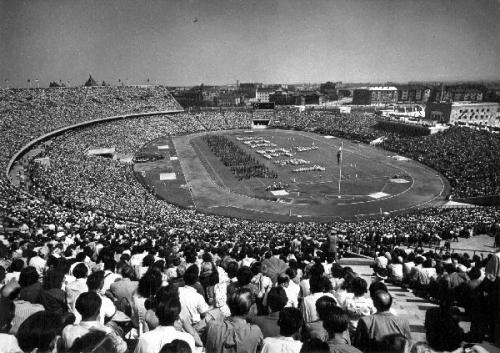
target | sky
x=189, y=42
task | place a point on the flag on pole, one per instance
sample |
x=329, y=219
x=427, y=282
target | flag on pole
x=339, y=155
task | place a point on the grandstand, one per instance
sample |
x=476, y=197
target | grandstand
x=91, y=200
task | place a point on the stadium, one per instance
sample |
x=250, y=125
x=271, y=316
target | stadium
x=126, y=167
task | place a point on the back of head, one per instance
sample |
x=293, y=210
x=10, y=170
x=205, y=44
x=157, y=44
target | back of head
x=28, y=276
x=88, y=305
x=127, y=272
x=191, y=276
x=324, y=306
x=80, y=271
x=276, y=299
x=38, y=331
x=95, y=281
x=290, y=321
x=239, y=302
x=168, y=310
x=315, y=345
x=176, y=346
x=244, y=275
x=149, y=283
x=382, y=300
x=376, y=286
x=336, y=321
x=359, y=286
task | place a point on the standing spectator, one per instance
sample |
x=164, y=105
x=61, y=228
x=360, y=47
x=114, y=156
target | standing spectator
x=336, y=324
x=168, y=312
x=290, y=321
x=291, y=290
x=372, y=329
x=234, y=332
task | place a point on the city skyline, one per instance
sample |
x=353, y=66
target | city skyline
x=185, y=43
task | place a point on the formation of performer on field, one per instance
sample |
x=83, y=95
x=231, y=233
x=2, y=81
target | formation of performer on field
x=276, y=186
x=242, y=164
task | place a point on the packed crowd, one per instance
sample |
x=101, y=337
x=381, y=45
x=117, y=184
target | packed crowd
x=466, y=157
x=66, y=289
x=82, y=216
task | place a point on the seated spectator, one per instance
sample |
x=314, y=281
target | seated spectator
x=276, y=301
x=317, y=287
x=78, y=286
x=40, y=332
x=193, y=303
x=14, y=270
x=291, y=291
x=336, y=324
x=234, y=331
x=315, y=329
x=396, y=270
x=123, y=290
x=359, y=305
x=8, y=341
x=372, y=329
x=95, y=283
x=52, y=297
x=289, y=322
x=441, y=327
x=88, y=305
x=30, y=286
x=23, y=308
x=146, y=289
x=168, y=312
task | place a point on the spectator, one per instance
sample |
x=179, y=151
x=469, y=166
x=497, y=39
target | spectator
x=268, y=324
x=30, y=286
x=314, y=345
x=317, y=286
x=176, y=346
x=40, y=332
x=192, y=302
x=52, y=297
x=9, y=341
x=358, y=306
x=234, y=332
x=290, y=322
x=372, y=329
x=146, y=289
x=336, y=324
x=88, y=305
x=168, y=312
x=292, y=293
x=78, y=286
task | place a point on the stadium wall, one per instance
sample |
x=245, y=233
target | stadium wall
x=53, y=133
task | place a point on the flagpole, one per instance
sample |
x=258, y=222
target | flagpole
x=340, y=169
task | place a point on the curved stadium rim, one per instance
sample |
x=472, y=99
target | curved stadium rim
x=56, y=132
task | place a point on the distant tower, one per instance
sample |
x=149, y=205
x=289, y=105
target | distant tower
x=237, y=84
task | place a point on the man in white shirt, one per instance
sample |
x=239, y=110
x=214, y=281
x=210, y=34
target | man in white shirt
x=308, y=308
x=78, y=286
x=290, y=322
x=88, y=306
x=193, y=304
x=292, y=293
x=38, y=262
x=167, y=313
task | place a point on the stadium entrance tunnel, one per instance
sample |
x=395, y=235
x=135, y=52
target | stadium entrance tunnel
x=260, y=123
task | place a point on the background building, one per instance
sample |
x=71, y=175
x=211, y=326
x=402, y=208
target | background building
x=463, y=113
x=413, y=94
x=375, y=95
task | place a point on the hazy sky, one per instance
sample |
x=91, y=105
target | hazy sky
x=182, y=42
